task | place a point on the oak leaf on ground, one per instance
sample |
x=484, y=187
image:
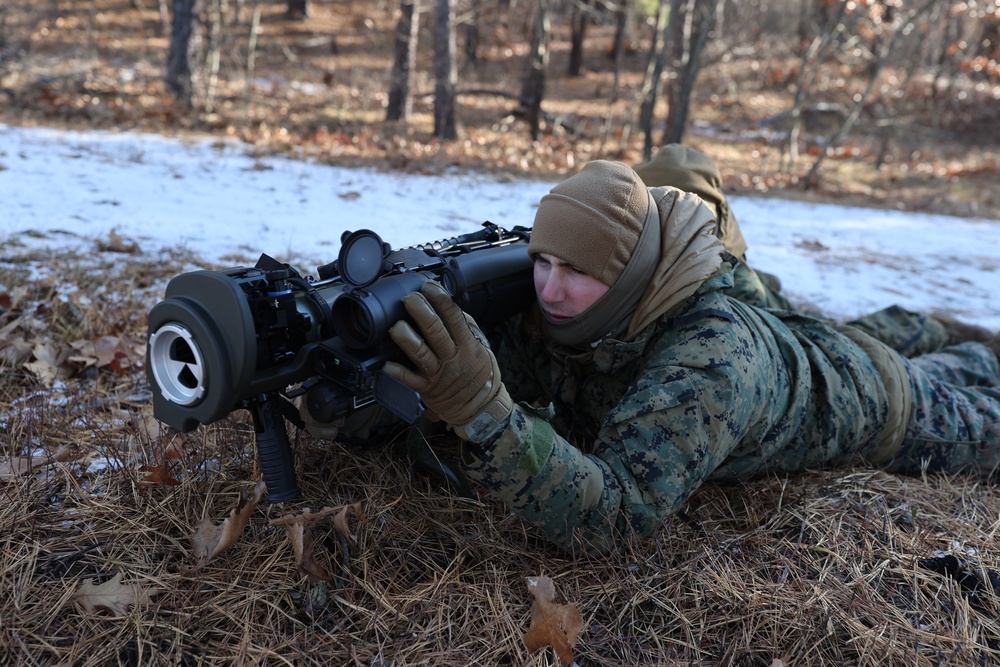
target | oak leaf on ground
x=46, y=364
x=118, y=243
x=174, y=450
x=166, y=443
x=156, y=475
x=341, y=517
x=168, y=448
x=209, y=539
x=113, y=352
x=15, y=350
x=112, y=595
x=303, y=546
x=552, y=624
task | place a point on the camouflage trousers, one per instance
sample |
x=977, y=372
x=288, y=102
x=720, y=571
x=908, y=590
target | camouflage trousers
x=907, y=332
x=956, y=413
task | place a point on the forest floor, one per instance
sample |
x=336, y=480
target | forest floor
x=125, y=543
x=317, y=88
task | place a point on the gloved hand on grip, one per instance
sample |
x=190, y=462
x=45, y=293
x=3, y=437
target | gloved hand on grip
x=455, y=372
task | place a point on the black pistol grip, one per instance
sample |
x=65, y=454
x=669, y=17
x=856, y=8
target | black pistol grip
x=274, y=451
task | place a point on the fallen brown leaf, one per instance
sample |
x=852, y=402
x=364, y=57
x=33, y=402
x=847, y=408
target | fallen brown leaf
x=12, y=299
x=22, y=465
x=552, y=624
x=174, y=451
x=167, y=447
x=340, y=519
x=114, y=352
x=112, y=595
x=303, y=546
x=209, y=540
x=15, y=351
x=46, y=364
x=307, y=515
x=155, y=475
x=299, y=527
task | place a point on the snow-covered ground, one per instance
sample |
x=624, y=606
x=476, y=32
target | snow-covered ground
x=211, y=197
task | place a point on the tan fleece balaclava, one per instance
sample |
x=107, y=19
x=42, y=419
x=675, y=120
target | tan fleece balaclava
x=603, y=221
x=690, y=170
x=593, y=219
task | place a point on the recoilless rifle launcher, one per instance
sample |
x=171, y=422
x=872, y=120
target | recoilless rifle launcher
x=254, y=337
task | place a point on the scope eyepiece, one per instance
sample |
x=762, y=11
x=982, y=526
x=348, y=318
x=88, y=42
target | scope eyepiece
x=362, y=317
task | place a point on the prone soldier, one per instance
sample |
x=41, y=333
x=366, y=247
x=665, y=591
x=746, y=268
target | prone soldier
x=636, y=377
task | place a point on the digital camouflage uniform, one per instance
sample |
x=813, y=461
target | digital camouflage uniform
x=607, y=440
x=716, y=390
x=909, y=333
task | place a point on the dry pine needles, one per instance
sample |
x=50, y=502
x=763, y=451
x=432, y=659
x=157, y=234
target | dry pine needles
x=99, y=564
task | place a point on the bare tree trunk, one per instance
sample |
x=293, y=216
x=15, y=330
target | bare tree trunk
x=619, y=46
x=624, y=9
x=701, y=20
x=214, y=53
x=297, y=9
x=178, y=76
x=444, y=71
x=164, y=16
x=809, y=25
x=533, y=89
x=621, y=16
x=407, y=30
x=471, y=46
x=654, y=73
x=252, y=46
x=944, y=73
x=578, y=33
x=989, y=43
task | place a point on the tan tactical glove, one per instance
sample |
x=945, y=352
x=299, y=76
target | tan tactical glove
x=456, y=373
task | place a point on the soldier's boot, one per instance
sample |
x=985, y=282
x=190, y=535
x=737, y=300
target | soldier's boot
x=963, y=332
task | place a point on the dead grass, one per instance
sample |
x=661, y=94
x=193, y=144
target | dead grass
x=814, y=569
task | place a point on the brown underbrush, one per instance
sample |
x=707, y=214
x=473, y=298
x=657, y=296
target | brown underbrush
x=104, y=517
x=108, y=523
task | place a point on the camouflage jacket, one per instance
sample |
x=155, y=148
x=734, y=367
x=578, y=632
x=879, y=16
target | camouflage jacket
x=605, y=443
x=909, y=333
x=748, y=287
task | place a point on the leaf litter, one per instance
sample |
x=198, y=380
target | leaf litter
x=106, y=562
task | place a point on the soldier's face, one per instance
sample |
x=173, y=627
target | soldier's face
x=563, y=290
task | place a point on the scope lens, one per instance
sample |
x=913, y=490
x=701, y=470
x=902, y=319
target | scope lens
x=450, y=283
x=354, y=322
